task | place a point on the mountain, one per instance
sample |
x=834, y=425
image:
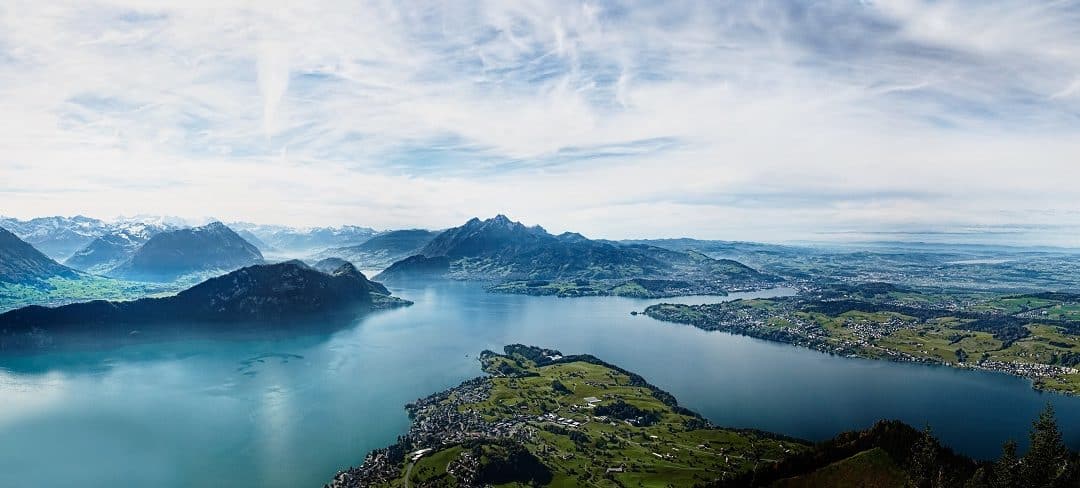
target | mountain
x=262, y=294
x=112, y=249
x=291, y=240
x=57, y=237
x=383, y=249
x=62, y=237
x=21, y=263
x=254, y=240
x=329, y=264
x=418, y=266
x=170, y=255
x=500, y=249
x=334, y=265
x=482, y=237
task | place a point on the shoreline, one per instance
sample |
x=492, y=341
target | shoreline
x=1035, y=373
x=458, y=422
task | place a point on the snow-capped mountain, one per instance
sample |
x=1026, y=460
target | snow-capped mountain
x=110, y=250
x=175, y=253
x=304, y=241
x=57, y=237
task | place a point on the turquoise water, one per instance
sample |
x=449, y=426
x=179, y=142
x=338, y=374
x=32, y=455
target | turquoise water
x=287, y=413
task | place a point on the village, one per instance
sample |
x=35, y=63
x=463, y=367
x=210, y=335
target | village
x=455, y=419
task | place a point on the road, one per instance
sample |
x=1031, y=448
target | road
x=408, y=475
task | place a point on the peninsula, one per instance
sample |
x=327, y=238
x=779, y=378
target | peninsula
x=542, y=418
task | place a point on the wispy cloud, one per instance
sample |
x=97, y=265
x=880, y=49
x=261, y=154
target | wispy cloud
x=769, y=120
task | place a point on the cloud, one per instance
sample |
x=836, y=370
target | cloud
x=273, y=69
x=767, y=120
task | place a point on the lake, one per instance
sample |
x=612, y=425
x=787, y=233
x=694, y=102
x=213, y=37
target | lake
x=288, y=413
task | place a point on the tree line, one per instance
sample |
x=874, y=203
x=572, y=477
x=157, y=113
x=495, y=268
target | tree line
x=926, y=463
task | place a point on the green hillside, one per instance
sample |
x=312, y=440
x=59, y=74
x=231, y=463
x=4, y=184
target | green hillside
x=868, y=469
x=542, y=419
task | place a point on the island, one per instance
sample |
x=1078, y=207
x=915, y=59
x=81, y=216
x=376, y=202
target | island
x=1036, y=335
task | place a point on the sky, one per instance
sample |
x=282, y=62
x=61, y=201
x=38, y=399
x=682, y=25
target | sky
x=752, y=120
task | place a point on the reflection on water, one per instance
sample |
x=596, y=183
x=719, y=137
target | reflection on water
x=290, y=411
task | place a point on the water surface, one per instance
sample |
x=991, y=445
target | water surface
x=291, y=412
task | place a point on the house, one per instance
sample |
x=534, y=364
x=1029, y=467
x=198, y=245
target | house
x=419, y=454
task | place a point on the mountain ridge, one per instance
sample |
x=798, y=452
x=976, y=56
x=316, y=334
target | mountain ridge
x=260, y=294
x=500, y=249
x=22, y=263
x=110, y=250
x=57, y=237
x=169, y=255
x=304, y=241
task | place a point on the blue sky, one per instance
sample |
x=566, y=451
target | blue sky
x=763, y=120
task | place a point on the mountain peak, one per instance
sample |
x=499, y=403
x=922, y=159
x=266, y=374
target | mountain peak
x=213, y=226
x=295, y=262
x=572, y=237
x=288, y=282
x=169, y=255
x=501, y=221
x=330, y=264
x=478, y=237
x=498, y=220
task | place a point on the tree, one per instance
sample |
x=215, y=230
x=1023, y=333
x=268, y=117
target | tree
x=1047, y=461
x=923, y=463
x=1005, y=473
x=980, y=479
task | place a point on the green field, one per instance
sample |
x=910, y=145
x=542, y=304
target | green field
x=688, y=456
x=634, y=288
x=61, y=291
x=677, y=448
x=542, y=419
x=1035, y=336
x=868, y=469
